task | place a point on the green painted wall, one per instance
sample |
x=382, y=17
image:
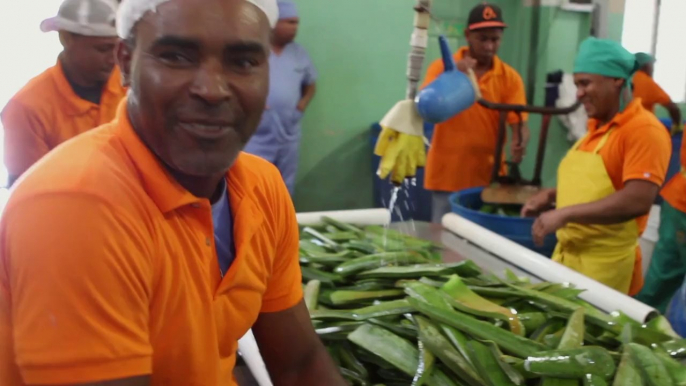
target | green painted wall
x=360, y=48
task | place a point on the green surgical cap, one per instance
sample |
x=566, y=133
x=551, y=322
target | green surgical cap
x=605, y=57
x=642, y=58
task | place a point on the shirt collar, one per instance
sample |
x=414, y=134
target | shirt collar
x=498, y=68
x=159, y=184
x=75, y=105
x=618, y=120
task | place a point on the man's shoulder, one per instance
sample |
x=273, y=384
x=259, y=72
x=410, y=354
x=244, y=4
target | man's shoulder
x=510, y=73
x=37, y=94
x=262, y=180
x=92, y=164
x=644, y=126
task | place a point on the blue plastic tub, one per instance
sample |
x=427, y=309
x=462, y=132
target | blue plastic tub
x=415, y=201
x=467, y=203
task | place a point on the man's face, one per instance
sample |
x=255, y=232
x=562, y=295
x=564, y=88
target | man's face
x=599, y=94
x=484, y=43
x=286, y=30
x=198, y=75
x=92, y=56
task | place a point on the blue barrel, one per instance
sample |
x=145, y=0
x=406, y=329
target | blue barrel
x=467, y=204
x=413, y=202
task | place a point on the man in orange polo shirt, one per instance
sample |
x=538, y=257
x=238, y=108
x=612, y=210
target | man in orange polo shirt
x=608, y=181
x=137, y=254
x=650, y=92
x=80, y=92
x=462, y=149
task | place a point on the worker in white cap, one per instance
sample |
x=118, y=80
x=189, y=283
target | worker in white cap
x=81, y=91
x=137, y=254
x=291, y=89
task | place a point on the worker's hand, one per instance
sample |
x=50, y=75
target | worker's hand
x=401, y=154
x=465, y=64
x=517, y=146
x=547, y=223
x=676, y=128
x=542, y=201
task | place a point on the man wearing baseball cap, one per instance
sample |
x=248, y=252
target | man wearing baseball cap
x=462, y=148
x=81, y=91
x=137, y=254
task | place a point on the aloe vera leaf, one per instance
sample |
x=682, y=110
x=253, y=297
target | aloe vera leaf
x=462, y=298
x=487, y=365
x=627, y=372
x=337, y=298
x=425, y=367
x=340, y=236
x=463, y=268
x=675, y=348
x=310, y=273
x=396, y=328
x=426, y=293
x=342, y=225
x=353, y=377
x=594, y=380
x=662, y=325
x=383, y=259
x=675, y=369
x=510, y=342
x=439, y=378
x=652, y=369
x=572, y=363
x=458, y=339
x=391, y=348
x=319, y=236
x=312, y=294
x=349, y=360
x=572, y=337
x=532, y=320
x=390, y=308
x=307, y=247
x=431, y=336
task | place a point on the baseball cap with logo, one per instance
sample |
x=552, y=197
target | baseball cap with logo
x=485, y=15
x=84, y=17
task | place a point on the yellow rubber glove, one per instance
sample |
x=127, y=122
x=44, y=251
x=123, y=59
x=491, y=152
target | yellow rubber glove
x=401, y=143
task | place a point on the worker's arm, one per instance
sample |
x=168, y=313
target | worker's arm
x=518, y=146
x=633, y=201
x=292, y=351
x=79, y=280
x=25, y=141
x=539, y=203
x=674, y=113
x=308, y=93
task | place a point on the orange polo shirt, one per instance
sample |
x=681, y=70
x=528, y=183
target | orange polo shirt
x=674, y=191
x=649, y=91
x=638, y=148
x=462, y=149
x=108, y=267
x=47, y=112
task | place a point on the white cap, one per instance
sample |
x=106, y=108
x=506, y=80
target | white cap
x=84, y=17
x=131, y=11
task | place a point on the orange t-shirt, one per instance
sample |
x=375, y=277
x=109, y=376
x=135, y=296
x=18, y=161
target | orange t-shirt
x=649, y=91
x=674, y=191
x=462, y=150
x=108, y=267
x=638, y=148
x=47, y=112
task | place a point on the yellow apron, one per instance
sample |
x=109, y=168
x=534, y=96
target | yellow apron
x=605, y=253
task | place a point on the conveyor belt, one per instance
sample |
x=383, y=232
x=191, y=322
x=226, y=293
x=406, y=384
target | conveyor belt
x=458, y=248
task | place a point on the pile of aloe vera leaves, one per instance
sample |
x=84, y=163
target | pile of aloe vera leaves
x=390, y=313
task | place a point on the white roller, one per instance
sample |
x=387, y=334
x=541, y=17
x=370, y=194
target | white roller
x=361, y=216
x=601, y=296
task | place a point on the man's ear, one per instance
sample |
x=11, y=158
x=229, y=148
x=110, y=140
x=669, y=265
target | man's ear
x=124, y=56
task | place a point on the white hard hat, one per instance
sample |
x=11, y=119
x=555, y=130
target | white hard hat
x=84, y=17
x=131, y=11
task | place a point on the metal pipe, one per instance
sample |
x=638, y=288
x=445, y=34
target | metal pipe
x=419, y=42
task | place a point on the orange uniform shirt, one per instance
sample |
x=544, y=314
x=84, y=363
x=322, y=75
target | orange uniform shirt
x=674, y=191
x=638, y=148
x=108, y=267
x=47, y=112
x=462, y=150
x=649, y=91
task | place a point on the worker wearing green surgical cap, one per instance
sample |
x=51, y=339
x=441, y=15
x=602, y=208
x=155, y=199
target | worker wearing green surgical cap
x=651, y=93
x=608, y=180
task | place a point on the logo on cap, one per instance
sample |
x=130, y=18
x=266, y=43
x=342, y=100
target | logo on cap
x=489, y=13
